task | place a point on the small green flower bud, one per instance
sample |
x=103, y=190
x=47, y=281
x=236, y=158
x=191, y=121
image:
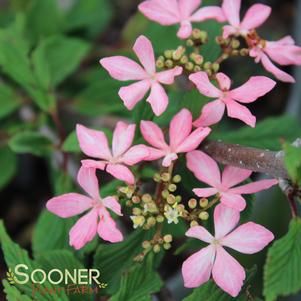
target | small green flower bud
x=197, y=68
x=169, y=63
x=157, y=177
x=196, y=34
x=235, y=44
x=203, y=36
x=159, y=64
x=167, y=238
x=219, y=40
x=189, y=66
x=167, y=246
x=165, y=177
x=235, y=52
x=177, y=179
x=204, y=216
x=151, y=221
x=204, y=203
x=180, y=208
x=168, y=54
x=225, y=56
x=156, y=248
x=172, y=187
x=193, y=224
x=192, y=203
x=209, y=72
x=177, y=54
x=136, y=199
x=207, y=65
x=190, y=43
x=165, y=193
x=199, y=59
x=146, y=244
x=160, y=218
x=129, y=203
x=146, y=198
x=215, y=67
x=171, y=199
x=184, y=59
x=178, y=198
x=137, y=211
x=244, y=52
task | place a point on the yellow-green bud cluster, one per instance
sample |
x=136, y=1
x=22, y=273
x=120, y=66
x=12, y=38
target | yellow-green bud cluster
x=156, y=244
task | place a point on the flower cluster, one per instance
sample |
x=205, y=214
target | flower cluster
x=151, y=208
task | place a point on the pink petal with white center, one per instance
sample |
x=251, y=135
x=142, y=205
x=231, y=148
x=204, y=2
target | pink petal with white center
x=123, y=68
x=211, y=114
x=248, y=238
x=256, y=15
x=133, y=93
x=227, y=273
x=158, y=99
x=93, y=143
x=205, y=192
x=179, y=128
x=107, y=229
x=208, y=12
x=185, y=30
x=200, y=233
x=254, y=187
x=88, y=181
x=193, y=140
x=165, y=12
x=168, y=159
x=135, y=154
x=204, y=168
x=224, y=81
x=145, y=52
x=111, y=203
x=187, y=7
x=233, y=200
x=225, y=220
x=122, y=138
x=228, y=31
x=238, y=111
x=167, y=77
x=202, y=82
x=155, y=154
x=196, y=269
x=121, y=172
x=278, y=73
x=69, y=204
x=84, y=230
x=254, y=88
x=153, y=134
x=231, y=10
x=94, y=164
x=233, y=175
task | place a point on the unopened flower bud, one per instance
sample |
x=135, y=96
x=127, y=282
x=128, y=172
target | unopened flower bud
x=168, y=54
x=204, y=203
x=167, y=238
x=196, y=34
x=160, y=218
x=219, y=40
x=193, y=224
x=165, y=193
x=178, y=198
x=136, y=199
x=167, y=246
x=171, y=199
x=197, y=68
x=159, y=64
x=137, y=211
x=151, y=221
x=207, y=65
x=203, y=36
x=180, y=208
x=235, y=52
x=244, y=52
x=172, y=187
x=146, y=198
x=157, y=177
x=235, y=44
x=209, y=72
x=156, y=248
x=177, y=179
x=169, y=63
x=192, y=203
x=184, y=59
x=204, y=215
x=189, y=43
x=165, y=177
x=215, y=67
x=177, y=54
x=129, y=203
x=189, y=66
x=146, y=244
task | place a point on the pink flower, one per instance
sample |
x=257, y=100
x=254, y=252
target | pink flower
x=95, y=144
x=227, y=273
x=183, y=12
x=213, y=112
x=284, y=52
x=256, y=15
x=125, y=69
x=98, y=219
x=181, y=139
x=206, y=170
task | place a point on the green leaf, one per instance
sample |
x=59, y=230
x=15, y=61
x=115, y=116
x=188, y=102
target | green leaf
x=292, y=161
x=9, y=101
x=282, y=271
x=139, y=283
x=71, y=143
x=267, y=134
x=13, y=294
x=31, y=142
x=8, y=163
x=57, y=57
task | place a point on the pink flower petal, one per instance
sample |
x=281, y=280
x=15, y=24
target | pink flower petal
x=233, y=175
x=123, y=68
x=167, y=77
x=204, y=168
x=233, y=200
x=254, y=187
x=84, y=230
x=193, y=140
x=69, y=204
x=201, y=80
x=227, y=273
x=145, y=52
x=121, y=172
x=224, y=81
x=256, y=15
x=248, y=238
x=168, y=159
x=179, y=128
x=185, y=30
x=94, y=164
x=231, y=10
x=88, y=181
x=155, y=154
x=205, y=192
x=122, y=138
x=111, y=203
x=225, y=220
x=228, y=31
x=153, y=134
x=254, y=88
x=93, y=143
x=133, y=93
x=187, y=7
x=196, y=269
x=211, y=114
x=107, y=229
x=238, y=111
x=158, y=99
x=135, y=154
x=208, y=12
x=200, y=233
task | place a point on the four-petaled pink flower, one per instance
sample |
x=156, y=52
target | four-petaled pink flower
x=181, y=139
x=256, y=15
x=227, y=273
x=213, y=112
x=95, y=144
x=125, y=69
x=183, y=12
x=97, y=220
x=206, y=170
